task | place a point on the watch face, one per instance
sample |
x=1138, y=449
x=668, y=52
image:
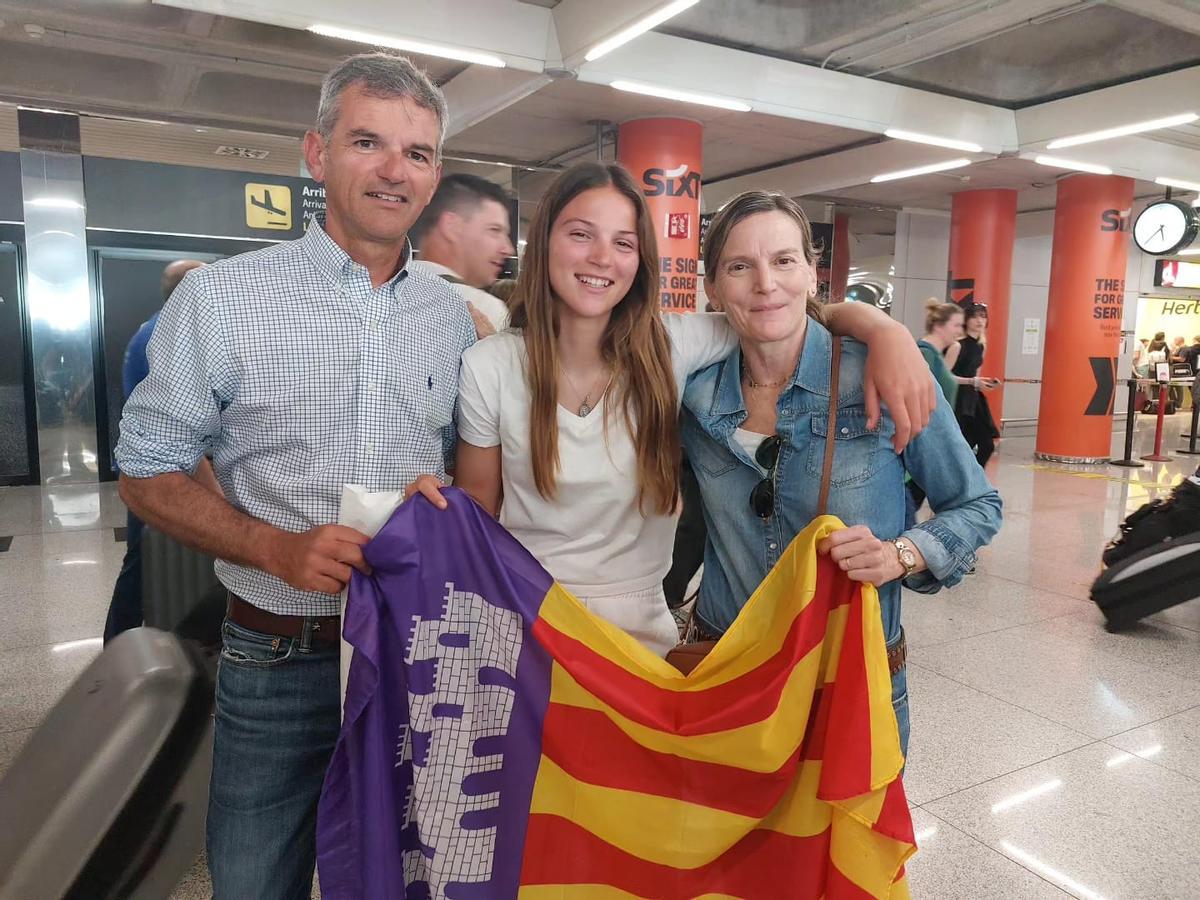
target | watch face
x=1164, y=226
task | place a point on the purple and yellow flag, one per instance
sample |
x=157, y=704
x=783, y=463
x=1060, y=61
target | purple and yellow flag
x=500, y=741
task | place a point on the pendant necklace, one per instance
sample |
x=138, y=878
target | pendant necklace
x=586, y=406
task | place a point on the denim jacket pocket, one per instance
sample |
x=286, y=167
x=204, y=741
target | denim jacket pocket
x=857, y=449
x=707, y=454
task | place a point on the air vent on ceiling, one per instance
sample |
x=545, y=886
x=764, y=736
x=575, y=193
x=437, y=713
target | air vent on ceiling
x=242, y=152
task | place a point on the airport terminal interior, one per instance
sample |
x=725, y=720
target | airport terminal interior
x=1036, y=159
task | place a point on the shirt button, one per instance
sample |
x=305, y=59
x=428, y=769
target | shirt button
x=845, y=431
x=371, y=386
x=370, y=448
x=772, y=545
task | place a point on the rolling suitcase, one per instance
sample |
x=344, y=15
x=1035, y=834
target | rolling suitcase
x=175, y=580
x=1158, y=577
x=108, y=797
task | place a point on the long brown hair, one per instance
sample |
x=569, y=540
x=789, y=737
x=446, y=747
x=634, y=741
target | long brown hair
x=634, y=344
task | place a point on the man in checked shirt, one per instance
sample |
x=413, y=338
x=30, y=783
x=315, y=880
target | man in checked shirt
x=316, y=363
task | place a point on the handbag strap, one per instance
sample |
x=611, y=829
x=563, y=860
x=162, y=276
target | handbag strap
x=831, y=425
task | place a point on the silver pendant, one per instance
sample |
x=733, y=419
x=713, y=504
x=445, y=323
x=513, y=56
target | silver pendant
x=584, y=409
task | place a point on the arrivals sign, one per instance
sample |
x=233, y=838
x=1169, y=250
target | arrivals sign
x=128, y=195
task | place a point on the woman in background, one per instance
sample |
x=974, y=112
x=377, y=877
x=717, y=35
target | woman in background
x=971, y=407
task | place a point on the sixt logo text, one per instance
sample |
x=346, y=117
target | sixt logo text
x=671, y=182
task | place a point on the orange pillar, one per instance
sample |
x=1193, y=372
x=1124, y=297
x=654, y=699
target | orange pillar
x=664, y=156
x=1083, y=318
x=983, y=225
x=839, y=273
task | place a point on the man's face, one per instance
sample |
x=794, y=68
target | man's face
x=483, y=236
x=378, y=166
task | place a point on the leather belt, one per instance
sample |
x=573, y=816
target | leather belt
x=325, y=629
x=898, y=654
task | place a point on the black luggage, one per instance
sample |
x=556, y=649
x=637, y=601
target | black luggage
x=108, y=797
x=1153, y=579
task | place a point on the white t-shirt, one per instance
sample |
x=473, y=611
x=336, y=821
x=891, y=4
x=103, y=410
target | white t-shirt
x=592, y=537
x=491, y=306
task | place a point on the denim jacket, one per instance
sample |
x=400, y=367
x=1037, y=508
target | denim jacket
x=866, y=488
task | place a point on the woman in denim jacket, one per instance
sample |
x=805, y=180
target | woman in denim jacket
x=754, y=427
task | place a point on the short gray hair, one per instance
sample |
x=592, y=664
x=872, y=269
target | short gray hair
x=380, y=75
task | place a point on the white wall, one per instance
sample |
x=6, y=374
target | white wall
x=922, y=260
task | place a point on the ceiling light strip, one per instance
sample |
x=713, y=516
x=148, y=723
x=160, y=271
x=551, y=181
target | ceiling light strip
x=408, y=45
x=1178, y=183
x=1122, y=131
x=921, y=170
x=638, y=28
x=916, y=137
x=1057, y=162
x=653, y=90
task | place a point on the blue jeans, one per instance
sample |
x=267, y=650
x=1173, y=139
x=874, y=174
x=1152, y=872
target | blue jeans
x=900, y=706
x=125, y=608
x=277, y=721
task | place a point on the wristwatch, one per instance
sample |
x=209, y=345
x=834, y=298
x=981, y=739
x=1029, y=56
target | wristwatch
x=907, y=558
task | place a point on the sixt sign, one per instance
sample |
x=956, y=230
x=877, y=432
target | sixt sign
x=677, y=182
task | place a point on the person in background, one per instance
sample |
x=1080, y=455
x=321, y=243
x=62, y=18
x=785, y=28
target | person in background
x=1178, y=350
x=943, y=329
x=503, y=289
x=125, y=607
x=755, y=427
x=971, y=407
x=1191, y=355
x=463, y=237
x=1140, y=364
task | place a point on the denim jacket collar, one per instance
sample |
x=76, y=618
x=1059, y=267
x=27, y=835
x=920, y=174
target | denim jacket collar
x=812, y=372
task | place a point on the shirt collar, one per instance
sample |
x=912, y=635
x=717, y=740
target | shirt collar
x=812, y=371
x=437, y=268
x=335, y=263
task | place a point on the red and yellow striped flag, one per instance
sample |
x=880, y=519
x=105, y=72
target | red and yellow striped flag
x=771, y=771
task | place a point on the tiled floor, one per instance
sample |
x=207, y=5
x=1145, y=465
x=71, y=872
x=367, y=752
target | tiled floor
x=1049, y=758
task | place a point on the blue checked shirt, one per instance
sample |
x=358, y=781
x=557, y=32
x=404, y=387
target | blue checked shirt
x=298, y=377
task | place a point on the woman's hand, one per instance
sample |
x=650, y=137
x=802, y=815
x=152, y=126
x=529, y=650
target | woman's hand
x=862, y=556
x=428, y=486
x=897, y=374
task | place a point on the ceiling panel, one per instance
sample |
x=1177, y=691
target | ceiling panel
x=271, y=102
x=1094, y=48
x=185, y=145
x=29, y=70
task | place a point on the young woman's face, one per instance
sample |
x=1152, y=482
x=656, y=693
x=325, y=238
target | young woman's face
x=594, y=253
x=950, y=330
x=763, y=280
x=976, y=325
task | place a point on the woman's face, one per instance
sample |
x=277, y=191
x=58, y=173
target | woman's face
x=594, y=253
x=950, y=330
x=763, y=280
x=976, y=325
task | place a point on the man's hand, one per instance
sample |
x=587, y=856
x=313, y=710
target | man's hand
x=898, y=375
x=320, y=559
x=862, y=556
